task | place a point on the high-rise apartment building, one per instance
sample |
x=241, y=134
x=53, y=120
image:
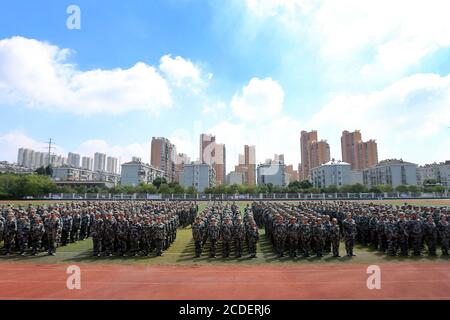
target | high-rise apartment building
x=313, y=153
x=359, y=154
x=99, y=161
x=247, y=165
x=73, y=159
x=111, y=164
x=163, y=154
x=87, y=163
x=181, y=159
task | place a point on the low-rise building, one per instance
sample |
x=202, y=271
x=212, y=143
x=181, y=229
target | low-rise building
x=271, y=172
x=72, y=174
x=199, y=176
x=335, y=173
x=136, y=172
x=440, y=172
x=235, y=177
x=391, y=172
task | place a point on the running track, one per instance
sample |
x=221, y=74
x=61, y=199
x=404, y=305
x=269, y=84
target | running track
x=398, y=281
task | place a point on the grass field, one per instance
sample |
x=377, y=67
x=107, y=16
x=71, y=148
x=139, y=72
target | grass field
x=182, y=252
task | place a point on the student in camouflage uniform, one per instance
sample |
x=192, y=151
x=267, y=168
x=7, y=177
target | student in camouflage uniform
x=10, y=233
x=109, y=234
x=147, y=236
x=85, y=223
x=198, y=233
x=239, y=234
x=37, y=232
x=52, y=226
x=292, y=237
x=159, y=235
x=213, y=235
x=415, y=232
x=279, y=235
x=135, y=236
x=76, y=223
x=430, y=235
x=382, y=242
x=349, y=227
x=443, y=228
x=319, y=237
x=97, y=231
x=253, y=237
x=23, y=233
x=227, y=236
x=327, y=233
x=391, y=235
x=122, y=229
x=402, y=234
x=335, y=236
x=67, y=223
x=2, y=227
x=305, y=237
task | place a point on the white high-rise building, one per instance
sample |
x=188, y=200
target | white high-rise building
x=73, y=159
x=111, y=164
x=99, y=161
x=87, y=163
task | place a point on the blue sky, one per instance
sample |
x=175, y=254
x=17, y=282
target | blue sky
x=249, y=71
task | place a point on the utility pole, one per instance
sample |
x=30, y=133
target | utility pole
x=50, y=147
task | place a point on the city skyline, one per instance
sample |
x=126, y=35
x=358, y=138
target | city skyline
x=257, y=76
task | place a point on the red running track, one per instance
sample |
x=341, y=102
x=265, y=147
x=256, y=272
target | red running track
x=398, y=281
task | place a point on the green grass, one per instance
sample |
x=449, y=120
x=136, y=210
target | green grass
x=182, y=252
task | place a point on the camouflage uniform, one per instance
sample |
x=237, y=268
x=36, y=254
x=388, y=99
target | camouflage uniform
x=96, y=230
x=122, y=228
x=444, y=233
x=349, y=227
x=85, y=223
x=10, y=234
x=76, y=223
x=335, y=236
x=305, y=238
x=292, y=238
x=239, y=234
x=66, y=229
x=253, y=237
x=430, y=235
x=108, y=235
x=213, y=235
x=135, y=237
x=279, y=237
x=52, y=226
x=160, y=236
x=402, y=236
x=415, y=232
x=319, y=238
x=23, y=233
x=147, y=237
x=391, y=236
x=198, y=233
x=227, y=237
x=37, y=232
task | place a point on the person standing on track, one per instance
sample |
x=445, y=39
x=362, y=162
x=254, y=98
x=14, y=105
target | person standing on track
x=349, y=227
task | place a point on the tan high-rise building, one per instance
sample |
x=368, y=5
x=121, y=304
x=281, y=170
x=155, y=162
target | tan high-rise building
x=359, y=154
x=247, y=165
x=163, y=157
x=313, y=153
x=291, y=173
x=213, y=154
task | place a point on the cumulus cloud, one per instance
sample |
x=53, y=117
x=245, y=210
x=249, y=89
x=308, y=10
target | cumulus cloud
x=39, y=75
x=180, y=71
x=260, y=99
x=409, y=118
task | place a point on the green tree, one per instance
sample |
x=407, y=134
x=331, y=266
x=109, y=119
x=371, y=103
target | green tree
x=146, y=188
x=164, y=189
x=159, y=181
x=402, y=188
x=305, y=184
x=385, y=187
x=331, y=189
x=191, y=190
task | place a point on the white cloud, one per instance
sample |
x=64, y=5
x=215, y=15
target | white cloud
x=378, y=40
x=215, y=108
x=409, y=118
x=179, y=69
x=260, y=99
x=38, y=75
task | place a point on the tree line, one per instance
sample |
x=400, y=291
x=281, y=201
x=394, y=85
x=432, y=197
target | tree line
x=18, y=186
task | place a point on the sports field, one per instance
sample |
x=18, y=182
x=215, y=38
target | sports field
x=178, y=275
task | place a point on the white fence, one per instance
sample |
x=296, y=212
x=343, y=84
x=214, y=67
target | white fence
x=260, y=196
